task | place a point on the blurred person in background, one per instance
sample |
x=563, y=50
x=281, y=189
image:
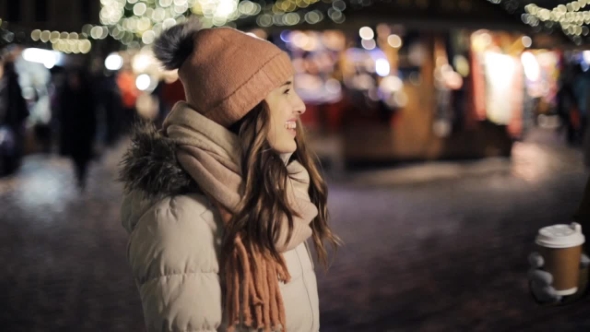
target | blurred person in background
x=220, y=203
x=77, y=118
x=41, y=114
x=109, y=100
x=13, y=113
x=172, y=92
x=581, y=90
x=108, y=103
x=156, y=95
x=129, y=94
x=573, y=104
x=56, y=85
x=567, y=103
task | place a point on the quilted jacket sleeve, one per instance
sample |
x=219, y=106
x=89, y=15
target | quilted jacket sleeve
x=173, y=252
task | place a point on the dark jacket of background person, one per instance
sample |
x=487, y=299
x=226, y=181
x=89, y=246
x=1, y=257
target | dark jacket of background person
x=77, y=115
x=110, y=100
x=13, y=112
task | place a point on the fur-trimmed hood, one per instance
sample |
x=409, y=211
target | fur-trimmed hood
x=150, y=165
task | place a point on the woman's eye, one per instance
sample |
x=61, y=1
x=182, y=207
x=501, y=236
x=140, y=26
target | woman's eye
x=287, y=91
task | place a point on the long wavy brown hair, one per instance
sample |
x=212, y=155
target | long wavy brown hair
x=264, y=201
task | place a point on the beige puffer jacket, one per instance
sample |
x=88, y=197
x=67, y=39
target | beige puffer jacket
x=174, y=247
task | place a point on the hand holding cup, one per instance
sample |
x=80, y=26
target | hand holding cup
x=555, y=268
x=541, y=281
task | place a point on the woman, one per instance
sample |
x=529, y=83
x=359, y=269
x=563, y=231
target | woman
x=221, y=201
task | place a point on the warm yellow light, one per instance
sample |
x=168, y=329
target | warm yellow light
x=527, y=41
x=168, y=23
x=264, y=20
x=54, y=36
x=148, y=37
x=366, y=33
x=291, y=19
x=45, y=35
x=36, y=34
x=394, y=41
x=143, y=24
x=85, y=46
x=159, y=14
x=368, y=44
x=86, y=28
x=313, y=17
x=139, y=9
x=75, y=48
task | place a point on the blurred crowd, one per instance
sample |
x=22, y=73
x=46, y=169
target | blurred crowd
x=573, y=103
x=80, y=110
x=78, y=113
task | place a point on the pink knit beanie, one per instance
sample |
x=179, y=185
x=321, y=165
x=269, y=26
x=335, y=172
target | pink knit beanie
x=225, y=72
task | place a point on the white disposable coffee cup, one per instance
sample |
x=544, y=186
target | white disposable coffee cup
x=561, y=248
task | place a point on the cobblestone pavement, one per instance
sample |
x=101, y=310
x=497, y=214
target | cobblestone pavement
x=434, y=247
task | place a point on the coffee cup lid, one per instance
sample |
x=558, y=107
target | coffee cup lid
x=561, y=236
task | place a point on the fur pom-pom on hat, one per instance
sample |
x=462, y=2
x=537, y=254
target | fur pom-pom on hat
x=176, y=44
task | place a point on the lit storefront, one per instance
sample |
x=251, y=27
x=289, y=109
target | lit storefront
x=393, y=82
x=395, y=93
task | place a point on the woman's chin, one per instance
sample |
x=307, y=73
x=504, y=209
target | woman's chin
x=286, y=148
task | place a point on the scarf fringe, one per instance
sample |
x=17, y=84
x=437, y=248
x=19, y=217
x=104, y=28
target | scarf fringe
x=253, y=290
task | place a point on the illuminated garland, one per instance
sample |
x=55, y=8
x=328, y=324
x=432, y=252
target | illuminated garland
x=140, y=21
x=570, y=17
x=294, y=12
x=72, y=42
x=133, y=21
x=136, y=22
x=66, y=42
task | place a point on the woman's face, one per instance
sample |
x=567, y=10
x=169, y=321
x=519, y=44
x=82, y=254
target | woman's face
x=285, y=107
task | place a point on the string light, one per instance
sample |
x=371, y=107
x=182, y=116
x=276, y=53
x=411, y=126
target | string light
x=366, y=33
x=143, y=20
x=66, y=42
x=394, y=41
x=146, y=15
x=570, y=16
x=70, y=42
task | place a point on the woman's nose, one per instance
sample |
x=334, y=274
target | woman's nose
x=299, y=106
